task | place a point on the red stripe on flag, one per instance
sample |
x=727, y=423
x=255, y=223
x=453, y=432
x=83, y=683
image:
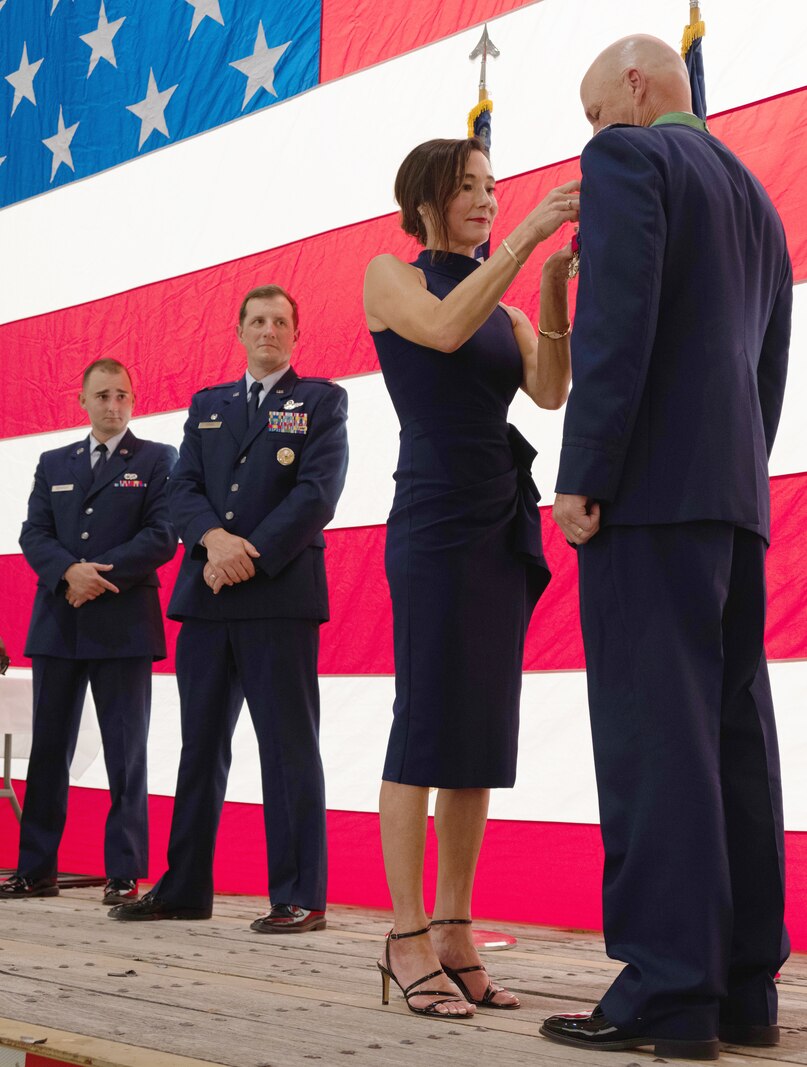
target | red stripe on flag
x=768, y=137
x=358, y=33
x=185, y=326
x=550, y=875
x=358, y=640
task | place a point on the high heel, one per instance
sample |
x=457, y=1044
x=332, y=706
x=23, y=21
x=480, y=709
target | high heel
x=486, y=1000
x=413, y=990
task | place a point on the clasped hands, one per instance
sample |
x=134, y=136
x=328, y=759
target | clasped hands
x=229, y=559
x=85, y=582
x=577, y=516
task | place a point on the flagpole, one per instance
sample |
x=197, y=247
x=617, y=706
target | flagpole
x=484, y=48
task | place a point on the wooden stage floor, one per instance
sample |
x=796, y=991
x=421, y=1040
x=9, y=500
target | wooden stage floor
x=170, y=994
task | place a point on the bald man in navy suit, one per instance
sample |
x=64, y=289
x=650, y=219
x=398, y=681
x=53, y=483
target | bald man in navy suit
x=679, y=359
x=260, y=471
x=96, y=532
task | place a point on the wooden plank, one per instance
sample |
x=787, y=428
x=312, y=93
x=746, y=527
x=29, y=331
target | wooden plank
x=217, y=993
x=79, y=1049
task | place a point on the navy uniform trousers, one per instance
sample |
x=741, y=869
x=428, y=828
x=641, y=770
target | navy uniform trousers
x=121, y=690
x=273, y=664
x=687, y=770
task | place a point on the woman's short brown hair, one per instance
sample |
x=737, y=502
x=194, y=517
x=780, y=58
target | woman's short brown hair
x=430, y=177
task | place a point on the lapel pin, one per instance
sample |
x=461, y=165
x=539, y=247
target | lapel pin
x=123, y=452
x=79, y=450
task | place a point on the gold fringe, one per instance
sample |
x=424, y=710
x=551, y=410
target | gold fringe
x=691, y=34
x=475, y=112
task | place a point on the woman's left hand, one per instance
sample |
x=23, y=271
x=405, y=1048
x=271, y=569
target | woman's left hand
x=557, y=265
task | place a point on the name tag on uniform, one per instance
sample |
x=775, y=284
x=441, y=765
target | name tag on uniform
x=61, y=488
x=288, y=422
x=210, y=425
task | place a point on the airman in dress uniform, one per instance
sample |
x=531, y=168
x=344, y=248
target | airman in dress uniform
x=96, y=532
x=260, y=471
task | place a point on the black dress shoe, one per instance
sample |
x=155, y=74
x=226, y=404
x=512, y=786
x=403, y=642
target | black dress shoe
x=289, y=919
x=17, y=886
x=152, y=908
x=755, y=1036
x=593, y=1030
x=118, y=890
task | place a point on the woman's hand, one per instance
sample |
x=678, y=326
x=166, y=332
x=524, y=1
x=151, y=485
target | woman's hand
x=556, y=266
x=558, y=206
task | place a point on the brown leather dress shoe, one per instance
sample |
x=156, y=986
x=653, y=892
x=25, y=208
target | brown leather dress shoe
x=18, y=886
x=289, y=919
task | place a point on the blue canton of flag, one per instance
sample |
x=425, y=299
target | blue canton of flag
x=88, y=84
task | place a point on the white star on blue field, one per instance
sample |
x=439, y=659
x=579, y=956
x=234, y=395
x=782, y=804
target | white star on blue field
x=93, y=83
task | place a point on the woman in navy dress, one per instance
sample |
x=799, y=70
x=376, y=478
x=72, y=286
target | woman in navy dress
x=463, y=556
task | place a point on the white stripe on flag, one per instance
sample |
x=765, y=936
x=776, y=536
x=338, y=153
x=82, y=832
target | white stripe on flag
x=556, y=772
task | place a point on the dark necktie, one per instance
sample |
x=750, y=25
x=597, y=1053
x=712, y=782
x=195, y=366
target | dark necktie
x=254, y=400
x=100, y=463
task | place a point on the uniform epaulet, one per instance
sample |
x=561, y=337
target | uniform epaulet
x=218, y=385
x=308, y=378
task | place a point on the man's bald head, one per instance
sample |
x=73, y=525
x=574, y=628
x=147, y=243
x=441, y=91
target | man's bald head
x=635, y=80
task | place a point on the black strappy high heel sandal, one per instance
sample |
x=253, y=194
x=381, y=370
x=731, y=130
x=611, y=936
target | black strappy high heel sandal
x=413, y=990
x=486, y=1000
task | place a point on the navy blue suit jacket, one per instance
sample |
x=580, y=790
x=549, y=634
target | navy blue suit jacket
x=681, y=334
x=275, y=483
x=121, y=519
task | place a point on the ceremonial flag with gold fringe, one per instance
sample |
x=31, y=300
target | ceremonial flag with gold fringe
x=692, y=54
x=479, y=121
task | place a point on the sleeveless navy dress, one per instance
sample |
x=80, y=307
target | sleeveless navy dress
x=463, y=555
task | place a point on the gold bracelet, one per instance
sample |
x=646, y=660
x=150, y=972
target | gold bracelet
x=555, y=335
x=507, y=248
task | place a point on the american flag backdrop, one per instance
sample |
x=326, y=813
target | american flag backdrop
x=162, y=157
